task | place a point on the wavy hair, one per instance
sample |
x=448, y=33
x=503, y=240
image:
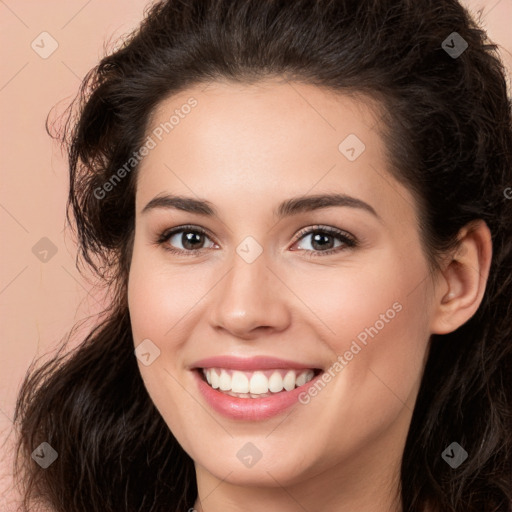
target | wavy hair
x=448, y=134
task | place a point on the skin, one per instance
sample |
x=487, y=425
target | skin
x=246, y=148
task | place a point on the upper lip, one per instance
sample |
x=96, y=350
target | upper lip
x=249, y=363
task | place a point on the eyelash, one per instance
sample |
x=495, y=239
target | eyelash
x=348, y=240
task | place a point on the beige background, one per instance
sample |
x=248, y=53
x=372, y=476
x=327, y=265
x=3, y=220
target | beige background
x=41, y=300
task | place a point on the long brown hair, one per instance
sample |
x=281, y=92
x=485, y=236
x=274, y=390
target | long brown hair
x=449, y=139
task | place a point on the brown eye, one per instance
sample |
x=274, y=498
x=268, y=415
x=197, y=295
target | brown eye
x=323, y=240
x=191, y=239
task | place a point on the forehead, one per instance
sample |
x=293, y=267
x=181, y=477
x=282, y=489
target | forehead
x=268, y=140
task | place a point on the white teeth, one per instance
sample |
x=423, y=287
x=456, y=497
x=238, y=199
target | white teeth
x=239, y=383
x=301, y=379
x=256, y=384
x=275, y=383
x=289, y=381
x=225, y=381
x=259, y=383
x=214, y=378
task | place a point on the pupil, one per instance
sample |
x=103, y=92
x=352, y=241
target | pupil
x=189, y=239
x=322, y=240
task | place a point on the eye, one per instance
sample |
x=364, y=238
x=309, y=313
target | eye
x=191, y=239
x=323, y=240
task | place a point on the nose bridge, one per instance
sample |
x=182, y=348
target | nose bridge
x=250, y=296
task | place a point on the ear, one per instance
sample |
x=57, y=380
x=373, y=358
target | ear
x=463, y=278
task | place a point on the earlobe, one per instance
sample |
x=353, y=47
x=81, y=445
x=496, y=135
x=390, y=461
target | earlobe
x=464, y=279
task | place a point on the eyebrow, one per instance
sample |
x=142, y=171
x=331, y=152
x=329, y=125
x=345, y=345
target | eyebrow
x=287, y=208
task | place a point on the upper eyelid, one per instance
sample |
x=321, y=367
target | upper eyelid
x=328, y=229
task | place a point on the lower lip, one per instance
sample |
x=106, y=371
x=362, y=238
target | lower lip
x=251, y=409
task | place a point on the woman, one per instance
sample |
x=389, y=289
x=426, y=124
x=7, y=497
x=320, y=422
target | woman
x=301, y=212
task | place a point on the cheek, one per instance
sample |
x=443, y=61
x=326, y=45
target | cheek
x=159, y=302
x=160, y=298
x=348, y=301
x=376, y=318
x=377, y=333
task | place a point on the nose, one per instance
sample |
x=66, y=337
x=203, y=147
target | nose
x=251, y=300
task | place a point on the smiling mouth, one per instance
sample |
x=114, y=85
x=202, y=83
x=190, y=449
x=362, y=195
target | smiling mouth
x=256, y=384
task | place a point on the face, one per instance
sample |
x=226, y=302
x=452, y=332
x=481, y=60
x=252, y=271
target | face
x=251, y=281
